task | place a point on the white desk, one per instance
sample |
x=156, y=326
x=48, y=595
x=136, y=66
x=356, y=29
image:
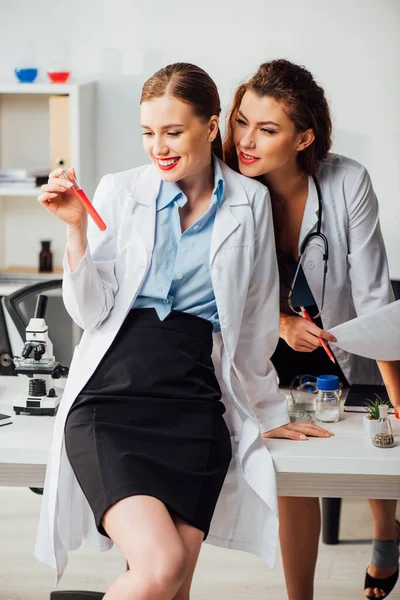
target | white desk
x=346, y=465
x=24, y=444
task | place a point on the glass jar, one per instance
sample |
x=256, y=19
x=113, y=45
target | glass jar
x=383, y=437
x=327, y=405
x=303, y=392
x=299, y=416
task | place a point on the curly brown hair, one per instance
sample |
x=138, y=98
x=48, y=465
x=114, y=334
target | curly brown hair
x=190, y=84
x=305, y=103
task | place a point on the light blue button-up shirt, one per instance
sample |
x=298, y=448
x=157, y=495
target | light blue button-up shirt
x=179, y=276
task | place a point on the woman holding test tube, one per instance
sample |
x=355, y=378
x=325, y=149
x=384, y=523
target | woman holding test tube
x=149, y=420
x=325, y=214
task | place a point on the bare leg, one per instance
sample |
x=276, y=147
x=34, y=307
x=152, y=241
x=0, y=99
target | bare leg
x=192, y=539
x=158, y=560
x=300, y=526
x=384, y=516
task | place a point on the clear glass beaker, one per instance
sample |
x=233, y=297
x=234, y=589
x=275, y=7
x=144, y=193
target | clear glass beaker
x=303, y=390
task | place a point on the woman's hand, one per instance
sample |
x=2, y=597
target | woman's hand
x=298, y=431
x=58, y=199
x=301, y=335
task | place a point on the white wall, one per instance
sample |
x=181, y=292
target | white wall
x=351, y=46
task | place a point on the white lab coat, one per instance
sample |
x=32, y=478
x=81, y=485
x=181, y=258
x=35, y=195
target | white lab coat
x=358, y=278
x=98, y=296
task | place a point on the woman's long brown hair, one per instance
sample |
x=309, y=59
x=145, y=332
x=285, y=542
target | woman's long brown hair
x=308, y=108
x=304, y=101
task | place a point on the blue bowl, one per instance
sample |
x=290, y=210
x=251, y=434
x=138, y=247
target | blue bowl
x=26, y=75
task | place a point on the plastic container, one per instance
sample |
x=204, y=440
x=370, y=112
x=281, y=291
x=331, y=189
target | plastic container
x=327, y=406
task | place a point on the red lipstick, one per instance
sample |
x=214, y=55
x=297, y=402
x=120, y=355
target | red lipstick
x=247, y=159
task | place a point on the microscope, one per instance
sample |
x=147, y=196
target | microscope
x=38, y=363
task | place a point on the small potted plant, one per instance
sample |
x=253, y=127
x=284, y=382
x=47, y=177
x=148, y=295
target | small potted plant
x=371, y=418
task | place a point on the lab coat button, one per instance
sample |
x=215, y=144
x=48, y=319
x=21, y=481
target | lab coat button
x=310, y=264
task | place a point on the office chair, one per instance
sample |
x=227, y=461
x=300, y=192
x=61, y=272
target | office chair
x=331, y=507
x=20, y=308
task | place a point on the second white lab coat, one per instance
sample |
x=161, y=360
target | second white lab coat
x=358, y=279
x=99, y=294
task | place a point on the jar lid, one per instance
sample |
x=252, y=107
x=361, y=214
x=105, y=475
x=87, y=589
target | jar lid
x=328, y=383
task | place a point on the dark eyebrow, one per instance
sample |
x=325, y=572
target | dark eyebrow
x=260, y=122
x=165, y=126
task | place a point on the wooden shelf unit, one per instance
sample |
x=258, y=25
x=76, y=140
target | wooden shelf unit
x=25, y=143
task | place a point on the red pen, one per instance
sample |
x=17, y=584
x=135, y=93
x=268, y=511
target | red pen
x=396, y=413
x=323, y=342
x=86, y=203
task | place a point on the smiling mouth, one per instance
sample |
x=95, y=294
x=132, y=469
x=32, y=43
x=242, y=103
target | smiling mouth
x=247, y=159
x=166, y=164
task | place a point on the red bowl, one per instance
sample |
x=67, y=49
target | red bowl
x=58, y=76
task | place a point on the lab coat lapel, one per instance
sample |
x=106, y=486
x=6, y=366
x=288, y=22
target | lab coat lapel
x=312, y=259
x=224, y=225
x=143, y=214
x=226, y=222
x=310, y=217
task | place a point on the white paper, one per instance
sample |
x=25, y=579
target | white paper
x=376, y=335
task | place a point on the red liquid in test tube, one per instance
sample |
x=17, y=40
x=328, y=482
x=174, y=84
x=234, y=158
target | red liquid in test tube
x=86, y=203
x=90, y=209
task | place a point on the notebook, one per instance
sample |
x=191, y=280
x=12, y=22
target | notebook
x=5, y=420
x=360, y=394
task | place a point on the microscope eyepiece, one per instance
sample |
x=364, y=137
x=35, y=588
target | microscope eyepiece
x=41, y=306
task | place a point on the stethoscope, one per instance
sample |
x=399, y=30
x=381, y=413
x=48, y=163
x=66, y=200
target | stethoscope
x=305, y=243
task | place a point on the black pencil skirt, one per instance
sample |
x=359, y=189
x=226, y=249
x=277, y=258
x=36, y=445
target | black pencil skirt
x=149, y=421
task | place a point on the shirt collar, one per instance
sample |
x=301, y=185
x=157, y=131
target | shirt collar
x=219, y=182
x=171, y=192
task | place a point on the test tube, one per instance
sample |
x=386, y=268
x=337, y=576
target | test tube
x=86, y=202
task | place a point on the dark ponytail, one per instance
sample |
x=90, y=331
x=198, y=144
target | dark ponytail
x=217, y=146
